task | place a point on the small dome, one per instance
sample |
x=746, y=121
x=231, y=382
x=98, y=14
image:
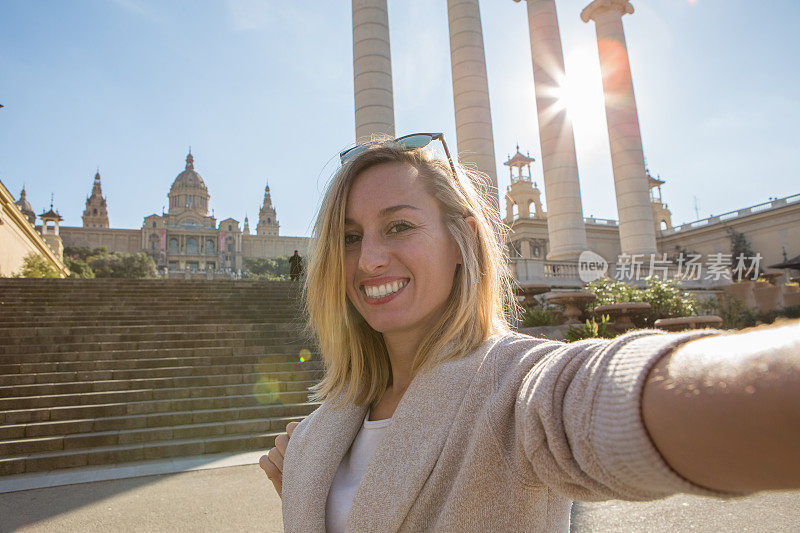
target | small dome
x=188, y=179
x=23, y=203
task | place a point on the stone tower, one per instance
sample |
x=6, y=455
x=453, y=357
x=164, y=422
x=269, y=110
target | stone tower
x=96, y=214
x=267, y=218
x=25, y=206
x=246, y=226
x=661, y=213
x=523, y=191
x=50, y=234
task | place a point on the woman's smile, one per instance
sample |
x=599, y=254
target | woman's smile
x=383, y=290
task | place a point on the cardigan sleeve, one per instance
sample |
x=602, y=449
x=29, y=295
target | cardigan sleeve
x=569, y=415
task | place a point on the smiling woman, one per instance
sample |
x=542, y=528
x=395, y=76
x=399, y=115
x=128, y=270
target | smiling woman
x=390, y=216
x=436, y=417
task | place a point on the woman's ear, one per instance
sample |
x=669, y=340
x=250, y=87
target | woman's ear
x=472, y=223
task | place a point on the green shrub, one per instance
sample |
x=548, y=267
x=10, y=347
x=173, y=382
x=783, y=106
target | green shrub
x=78, y=268
x=36, y=266
x=734, y=315
x=271, y=269
x=100, y=263
x=591, y=330
x=534, y=316
x=666, y=298
x=131, y=266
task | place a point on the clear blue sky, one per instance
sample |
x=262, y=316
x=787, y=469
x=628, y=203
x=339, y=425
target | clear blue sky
x=262, y=91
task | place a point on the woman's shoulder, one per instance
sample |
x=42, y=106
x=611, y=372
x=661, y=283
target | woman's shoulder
x=516, y=346
x=508, y=355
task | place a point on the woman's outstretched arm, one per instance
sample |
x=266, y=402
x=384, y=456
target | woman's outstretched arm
x=724, y=411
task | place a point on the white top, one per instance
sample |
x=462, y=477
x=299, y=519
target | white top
x=343, y=488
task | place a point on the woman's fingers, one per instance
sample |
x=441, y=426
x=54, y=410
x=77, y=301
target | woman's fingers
x=281, y=441
x=273, y=473
x=276, y=458
x=272, y=462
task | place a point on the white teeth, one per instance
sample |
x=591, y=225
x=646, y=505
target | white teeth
x=384, y=290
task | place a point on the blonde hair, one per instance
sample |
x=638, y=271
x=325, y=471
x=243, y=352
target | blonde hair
x=357, y=367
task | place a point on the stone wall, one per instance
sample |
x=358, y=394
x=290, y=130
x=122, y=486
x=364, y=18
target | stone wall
x=127, y=241
x=18, y=238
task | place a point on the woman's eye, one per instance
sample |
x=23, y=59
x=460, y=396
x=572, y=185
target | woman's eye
x=399, y=227
x=351, y=238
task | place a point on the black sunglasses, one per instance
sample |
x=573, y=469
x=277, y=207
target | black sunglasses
x=406, y=142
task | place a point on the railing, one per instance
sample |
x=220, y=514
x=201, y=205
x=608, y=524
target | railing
x=600, y=221
x=564, y=274
x=731, y=215
x=586, y=220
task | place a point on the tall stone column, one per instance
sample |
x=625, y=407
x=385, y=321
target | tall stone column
x=565, y=225
x=372, y=69
x=636, y=226
x=471, y=91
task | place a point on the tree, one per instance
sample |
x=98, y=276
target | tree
x=131, y=266
x=740, y=246
x=36, y=266
x=100, y=263
x=267, y=268
x=78, y=268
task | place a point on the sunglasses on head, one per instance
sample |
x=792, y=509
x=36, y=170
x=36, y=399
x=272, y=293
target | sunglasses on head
x=406, y=142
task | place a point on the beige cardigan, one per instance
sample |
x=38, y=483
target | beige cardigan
x=502, y=439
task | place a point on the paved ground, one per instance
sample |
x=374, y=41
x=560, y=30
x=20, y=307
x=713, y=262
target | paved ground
x=240, y=498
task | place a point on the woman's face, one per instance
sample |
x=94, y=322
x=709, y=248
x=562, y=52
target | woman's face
x=400, y=260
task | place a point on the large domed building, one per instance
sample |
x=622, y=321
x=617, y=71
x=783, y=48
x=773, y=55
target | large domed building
x=186, y=237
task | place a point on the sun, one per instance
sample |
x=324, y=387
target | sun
x=581, y=93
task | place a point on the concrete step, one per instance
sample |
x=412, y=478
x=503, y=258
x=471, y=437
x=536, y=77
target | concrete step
x=224, y=339
x=139, y=395
x=155, y=353
x=110, y=321
x=122, y=454
x=262, y=396
x=113, y=365
x=139, y=421
x=147, y=329
x=13, y=380
x=97, y=439
x=152, y=383
x=232, y=333
x=99, y=370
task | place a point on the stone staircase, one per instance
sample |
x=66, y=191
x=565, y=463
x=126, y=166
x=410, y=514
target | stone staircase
x=100, y=372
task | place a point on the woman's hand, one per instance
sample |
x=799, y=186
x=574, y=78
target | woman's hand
x=272, y=462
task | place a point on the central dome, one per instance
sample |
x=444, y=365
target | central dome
x=188, y=179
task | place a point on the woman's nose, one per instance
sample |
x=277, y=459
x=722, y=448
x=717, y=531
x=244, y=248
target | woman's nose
x=374, y=255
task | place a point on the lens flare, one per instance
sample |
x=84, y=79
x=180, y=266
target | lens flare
x=305, y=355
x=266, y=390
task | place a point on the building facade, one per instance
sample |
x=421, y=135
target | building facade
x=770, y=228
x=186, y=237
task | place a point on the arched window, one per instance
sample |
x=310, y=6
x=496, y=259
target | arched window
x=173, y=246
x=191, y=246
x=663, y=225
x=209, y=246
x=514, y=249
x=269, y=221
x=515, y=211
x=94, y=211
